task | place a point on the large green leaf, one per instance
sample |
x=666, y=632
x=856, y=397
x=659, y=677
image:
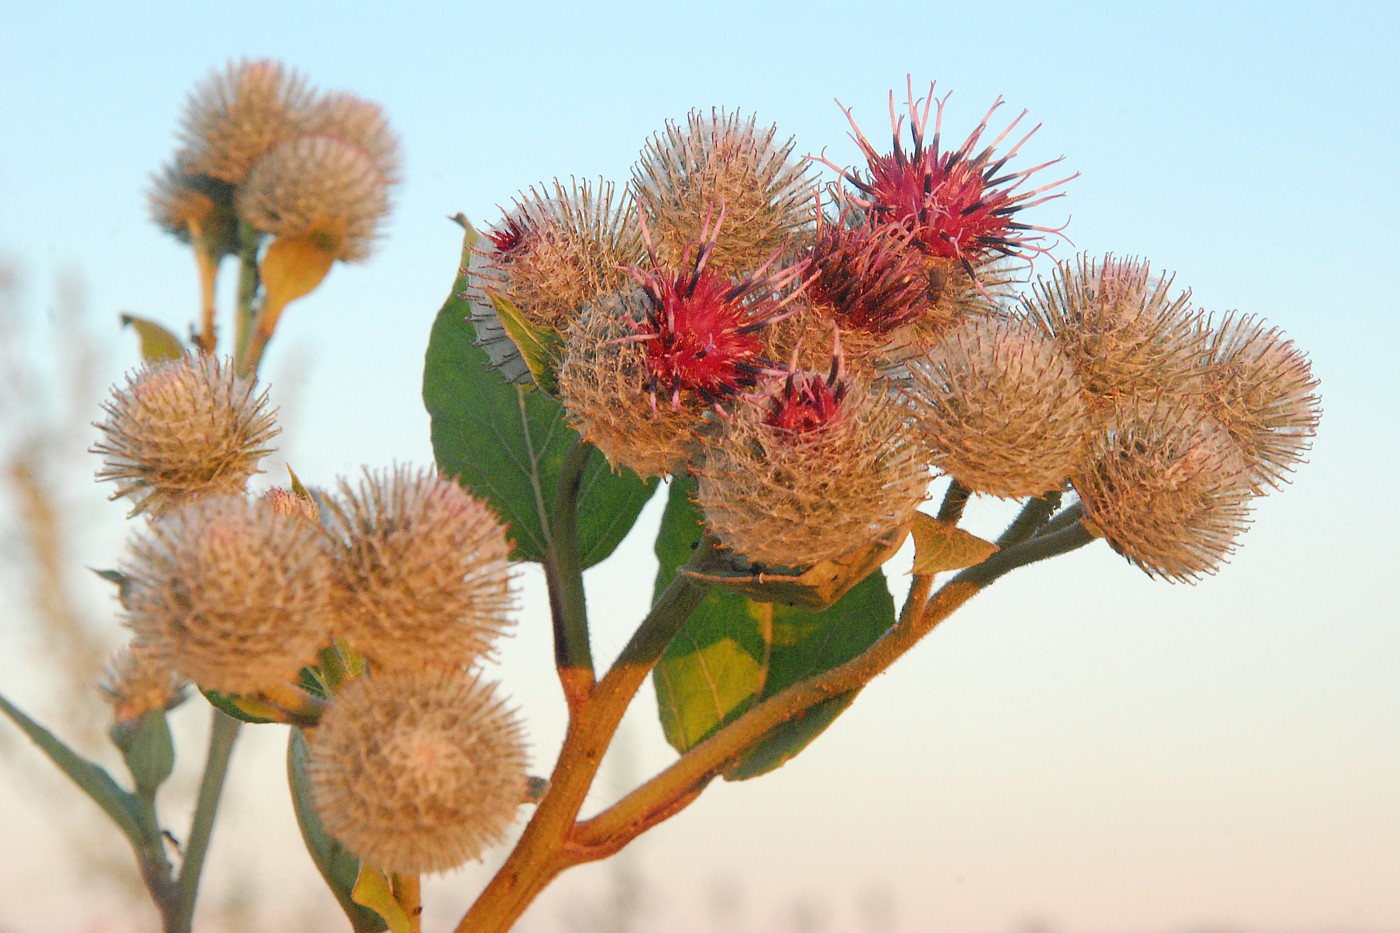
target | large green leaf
x=119, y=804
x=506, y=443
x=734, y=651
x=337, y=866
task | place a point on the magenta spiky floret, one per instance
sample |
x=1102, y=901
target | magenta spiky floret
x=699, y=332
x=959, y=203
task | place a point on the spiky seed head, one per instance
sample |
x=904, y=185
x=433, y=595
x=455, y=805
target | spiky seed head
x=319, y=186
x=181, y=429
x=722, y=162
x=230, y=593
x=959, y=203
x=418, y=771
x=187, y=206
x=814, y=469
x=1120, y=324
x=1000, y=408
x=361, y=124
x=603, y=383
x=1260, y=387
x=138, y=680
x=239, y=114
x=284, y=500
x=422, y=572
x=555, y=251
x=1168, y=489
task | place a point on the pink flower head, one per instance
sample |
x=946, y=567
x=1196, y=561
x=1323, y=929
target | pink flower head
x=807, y=401
x=957, y=202
x=509, y=236
x=700, y=329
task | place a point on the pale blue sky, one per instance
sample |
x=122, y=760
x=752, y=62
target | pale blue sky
x=1080, y=744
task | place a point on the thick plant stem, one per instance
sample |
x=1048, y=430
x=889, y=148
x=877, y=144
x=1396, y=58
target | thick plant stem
x=248, y=281
x=545, y=849
x=676, y=786
x=1033, y=515
x=408, y=891
x=954, y=501
x=563, y=569
x=222, y=734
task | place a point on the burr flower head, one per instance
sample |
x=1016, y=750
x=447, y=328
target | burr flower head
x=1119, y=325
x=1167, y=488
x=190, y=206
x=1260, y=387
x=816, y=469
x=554, y=252
x=1000, y=408
x=239, y=114
x=230, y=593
x=603, y=383
x=418, y=771
x=182, y=429
x=422, y=572
x=722, y=162
x=361, y=124
x=867, y=279
x=318, y=186
x=959, y=204
x=137, y=681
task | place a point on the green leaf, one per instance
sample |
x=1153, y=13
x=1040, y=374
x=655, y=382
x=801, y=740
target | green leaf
x=337, y=866
x=940, y=546
x=119, y=804
x=157, y=343
x=539, y=347
x=733, y=651
x=373, y=891
x=506, y=444
x=244, y=709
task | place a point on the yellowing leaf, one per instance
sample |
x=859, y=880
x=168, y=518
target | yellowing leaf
x=157, y=343
x=940, y=546
x=291, y=267
x=372, y=890
x=539, y=347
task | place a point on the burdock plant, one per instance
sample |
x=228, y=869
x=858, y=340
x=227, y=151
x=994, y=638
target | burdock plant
x=798, y=360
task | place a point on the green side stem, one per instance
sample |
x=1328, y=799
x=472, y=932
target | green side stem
x=223, y=731
x=563, y=569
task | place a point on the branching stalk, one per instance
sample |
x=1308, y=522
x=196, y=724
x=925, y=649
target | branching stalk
x=223, y=731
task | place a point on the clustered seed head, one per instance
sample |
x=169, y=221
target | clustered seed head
x=1000, y=408
x=1120, y=326
x=1260, y=387
x=958, y=203
x=284, y=500
x=817, y=468
x=321, y=186
x=722, y=163
x=239, y=114
x=422, y=572
x=182, y=429
x=1167, y=488
x=418, y=771
x=189, y=206
x=555, y=252
x=229, y=592
x=138, y=681
x=291, y=161
x=361, y=124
